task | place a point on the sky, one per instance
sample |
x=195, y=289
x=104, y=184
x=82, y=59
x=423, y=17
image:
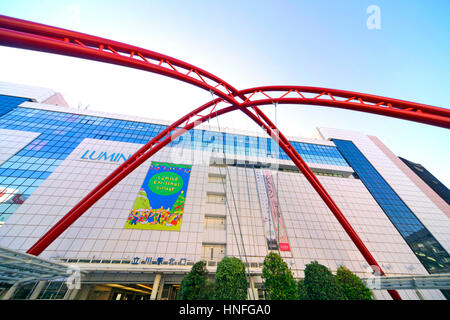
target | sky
x=253, y=43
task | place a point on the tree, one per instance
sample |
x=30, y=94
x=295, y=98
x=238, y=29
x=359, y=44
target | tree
x=352, y=286
x=278, y=279
x=321, y=284
x=195, y=284
x=301, y=289
x=231, y=282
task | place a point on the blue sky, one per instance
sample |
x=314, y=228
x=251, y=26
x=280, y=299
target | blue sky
x=251, y=43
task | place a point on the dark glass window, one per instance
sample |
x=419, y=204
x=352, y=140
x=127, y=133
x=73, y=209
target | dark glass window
x=429, y=179
x=428, y=250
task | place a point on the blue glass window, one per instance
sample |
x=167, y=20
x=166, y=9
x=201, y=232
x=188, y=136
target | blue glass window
x=62, y=132
x=8, y=103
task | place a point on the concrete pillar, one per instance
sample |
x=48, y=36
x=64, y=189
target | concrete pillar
x=155, y=287
x=252, y=293
x=160, y=289
x=419, y=295
x=416, y=290
x=10, y=293
x=71, y=294
x=83, y=293
x=37, y=290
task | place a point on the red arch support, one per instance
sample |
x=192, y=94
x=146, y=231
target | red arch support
x=179, y=127
x=355, y=101
x=34, y=36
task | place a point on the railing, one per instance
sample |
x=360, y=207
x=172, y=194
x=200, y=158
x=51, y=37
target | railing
x=435, y=281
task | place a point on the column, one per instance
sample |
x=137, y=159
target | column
x=160, y=289
x=10, y=293
x=155, y=287
x=84, y=291
x=71, y=294
x=37, y=290
x=252, y=293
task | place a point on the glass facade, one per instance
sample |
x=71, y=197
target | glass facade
x=427, y=249
x=7, y=103
x=61, y=133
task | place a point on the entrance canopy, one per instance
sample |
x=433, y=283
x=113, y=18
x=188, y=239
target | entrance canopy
x=17, y=266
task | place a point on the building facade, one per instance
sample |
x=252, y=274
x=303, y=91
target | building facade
x=210, y=193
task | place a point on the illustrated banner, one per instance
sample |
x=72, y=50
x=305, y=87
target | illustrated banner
x=160, y=202
x=274, y=226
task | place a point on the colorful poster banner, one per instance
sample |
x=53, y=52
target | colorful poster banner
x=274, y=226
x=160, y=201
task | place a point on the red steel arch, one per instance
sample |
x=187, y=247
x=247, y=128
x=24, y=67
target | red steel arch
x=33, y=36
x=356, y=101
x=187, y=123
x=202, y=114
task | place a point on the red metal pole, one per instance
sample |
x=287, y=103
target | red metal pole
x=58, y=34
x=440, y=118
x=155, y=145
x=29, y=35
x=303, y=167
x=34, y=36
x=145, y=152
x=367, y=98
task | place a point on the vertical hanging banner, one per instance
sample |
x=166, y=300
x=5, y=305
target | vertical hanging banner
x=160, y=202
x=272, y=243
x=275, y=228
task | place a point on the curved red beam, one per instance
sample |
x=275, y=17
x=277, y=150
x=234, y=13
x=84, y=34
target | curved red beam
x=29, y=35
x=34, y=36
x=332, y=93
x=190, y=121
x=425, y=118
x=350, y=100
